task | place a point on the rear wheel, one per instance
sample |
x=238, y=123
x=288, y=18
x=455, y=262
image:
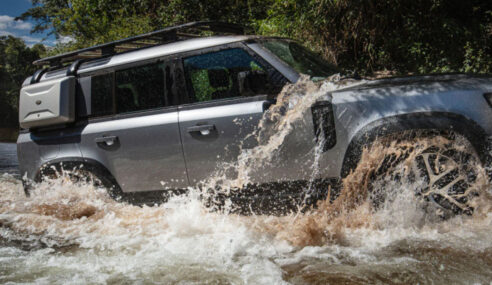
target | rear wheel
x=65, y=173
x=442, y=169
x=76, y=173
x=76, y=176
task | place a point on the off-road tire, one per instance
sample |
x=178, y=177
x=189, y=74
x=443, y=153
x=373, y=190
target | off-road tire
x=448, y=170
x=67, y=172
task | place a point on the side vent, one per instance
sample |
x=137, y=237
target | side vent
x=324, y=124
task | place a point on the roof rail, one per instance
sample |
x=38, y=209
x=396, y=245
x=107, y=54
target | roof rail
x=166, y=35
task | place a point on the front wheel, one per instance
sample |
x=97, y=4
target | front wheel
x=442, y=169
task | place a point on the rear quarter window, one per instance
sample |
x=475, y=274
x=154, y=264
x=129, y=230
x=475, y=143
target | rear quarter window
x=102, y=95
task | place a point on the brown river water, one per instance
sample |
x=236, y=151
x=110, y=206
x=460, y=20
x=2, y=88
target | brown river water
x=68, y=233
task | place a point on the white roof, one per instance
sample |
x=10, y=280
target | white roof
x=167, y=49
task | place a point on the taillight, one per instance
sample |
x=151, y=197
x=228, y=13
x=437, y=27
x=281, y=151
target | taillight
x=324, y=124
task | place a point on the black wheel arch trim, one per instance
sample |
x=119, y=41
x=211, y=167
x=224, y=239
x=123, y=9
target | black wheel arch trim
x=107, y=178
x=441, y=121
x=91, y=165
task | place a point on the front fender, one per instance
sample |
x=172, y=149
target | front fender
x=441, y=121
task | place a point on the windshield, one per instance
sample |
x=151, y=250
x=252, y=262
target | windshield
x=300, y=58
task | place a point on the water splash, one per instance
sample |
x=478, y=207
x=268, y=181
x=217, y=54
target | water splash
x=74, y=233
x=401, y=208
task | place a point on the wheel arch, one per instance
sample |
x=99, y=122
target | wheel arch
x=440, y=121
x=90, y=165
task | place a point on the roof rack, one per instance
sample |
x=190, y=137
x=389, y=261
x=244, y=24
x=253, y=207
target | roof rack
x=166, y=35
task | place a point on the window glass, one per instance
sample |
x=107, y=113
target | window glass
x=300, y=58
x=140, y=88
x=225, y=74
x=102, y=95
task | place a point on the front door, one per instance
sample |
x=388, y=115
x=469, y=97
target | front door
x=230, y=91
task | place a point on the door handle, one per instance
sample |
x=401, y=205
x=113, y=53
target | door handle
x=108, y=140
x=203, y=129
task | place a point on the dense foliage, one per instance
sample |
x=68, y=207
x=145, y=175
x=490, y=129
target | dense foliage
x=90, y=22
x=418, y=36
x=15, y=65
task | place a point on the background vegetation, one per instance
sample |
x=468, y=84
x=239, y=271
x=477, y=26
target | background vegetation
x=400, y=36
x=15, y=65
x=419, y=36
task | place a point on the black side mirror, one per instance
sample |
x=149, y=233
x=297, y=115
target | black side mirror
x=252, y=82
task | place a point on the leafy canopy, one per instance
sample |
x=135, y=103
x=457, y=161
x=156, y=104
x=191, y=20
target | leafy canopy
x=418, y=36
x=15, y=65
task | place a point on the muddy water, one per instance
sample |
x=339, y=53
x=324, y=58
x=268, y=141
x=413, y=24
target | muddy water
x=75, y=234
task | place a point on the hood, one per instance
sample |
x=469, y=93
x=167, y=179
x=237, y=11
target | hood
x=423, y=84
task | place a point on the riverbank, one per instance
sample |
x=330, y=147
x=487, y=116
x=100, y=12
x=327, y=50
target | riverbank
x=8, y=135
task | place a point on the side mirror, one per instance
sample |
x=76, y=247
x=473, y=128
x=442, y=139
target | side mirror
x=252, y=82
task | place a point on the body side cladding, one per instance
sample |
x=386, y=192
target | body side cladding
x=423, y=121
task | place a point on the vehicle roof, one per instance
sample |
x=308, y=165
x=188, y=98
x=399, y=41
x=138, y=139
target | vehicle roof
x=167, y=49
x=152, y=52
x=166, y=35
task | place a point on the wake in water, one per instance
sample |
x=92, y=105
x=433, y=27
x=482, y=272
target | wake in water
x=377, y=230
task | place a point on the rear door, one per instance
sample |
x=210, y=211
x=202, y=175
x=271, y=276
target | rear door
x=133, y=126
x=230, y=89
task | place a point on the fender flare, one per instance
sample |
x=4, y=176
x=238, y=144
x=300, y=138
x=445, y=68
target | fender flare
x=440, y=121
x=102, y=173
x=91, y=165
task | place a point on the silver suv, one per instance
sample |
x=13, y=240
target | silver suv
x=159, y=113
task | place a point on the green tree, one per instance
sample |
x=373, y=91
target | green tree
x=418, y=36
x=91, y=22
x=15, y=66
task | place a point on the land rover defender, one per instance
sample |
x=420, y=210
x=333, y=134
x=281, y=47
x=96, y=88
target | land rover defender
x=159, y=112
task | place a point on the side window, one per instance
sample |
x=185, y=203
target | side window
x=102, y=95
x=141, y=88
x=225, y=74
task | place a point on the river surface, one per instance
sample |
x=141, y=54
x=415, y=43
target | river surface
x=8, y=159
x=69, y=233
